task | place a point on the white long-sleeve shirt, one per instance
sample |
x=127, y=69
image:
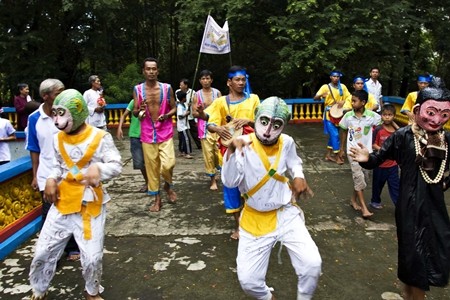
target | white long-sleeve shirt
x=247, y=170
x=107, y=158
x=95, y=119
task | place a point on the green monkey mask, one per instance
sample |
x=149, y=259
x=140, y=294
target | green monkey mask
x=69, y=110
x=270, y=118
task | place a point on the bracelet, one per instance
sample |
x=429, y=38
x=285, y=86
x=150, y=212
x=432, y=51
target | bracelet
x=141, y=114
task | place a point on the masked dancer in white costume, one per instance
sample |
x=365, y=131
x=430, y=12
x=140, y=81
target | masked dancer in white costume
x=257, y=164
x=84, y=156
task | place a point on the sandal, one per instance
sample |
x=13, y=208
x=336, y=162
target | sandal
x=73, y=256
x=376, y=205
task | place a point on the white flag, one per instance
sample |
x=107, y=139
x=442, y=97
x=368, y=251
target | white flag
x=216, y=39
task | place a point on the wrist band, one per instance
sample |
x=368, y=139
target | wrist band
x=141, y=114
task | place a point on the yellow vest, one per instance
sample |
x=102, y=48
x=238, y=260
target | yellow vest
x=71, y=189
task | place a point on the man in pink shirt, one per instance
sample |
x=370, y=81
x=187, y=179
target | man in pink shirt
x=154, y=105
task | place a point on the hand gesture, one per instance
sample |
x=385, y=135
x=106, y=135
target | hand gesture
x=239, y=123
x=34, y=184
x=301, y=189
x=119, y=133
x=51, y=192
x=92, y=176
x=359, y=154
x=237, y=143
x=223, y=133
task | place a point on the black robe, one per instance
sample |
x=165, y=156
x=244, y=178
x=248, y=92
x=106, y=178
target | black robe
x=423, y=226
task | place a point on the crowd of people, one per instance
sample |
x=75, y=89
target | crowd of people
x=242, y=141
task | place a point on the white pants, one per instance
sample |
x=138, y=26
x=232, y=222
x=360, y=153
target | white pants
x=254, y=253
x=53, y=238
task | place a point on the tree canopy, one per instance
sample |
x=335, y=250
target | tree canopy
x=287, y=46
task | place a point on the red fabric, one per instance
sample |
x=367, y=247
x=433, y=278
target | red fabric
x=22, y=116
x=382, y=135
x=335, y=121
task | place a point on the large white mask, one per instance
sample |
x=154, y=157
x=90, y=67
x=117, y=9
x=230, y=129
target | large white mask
x=270, y=118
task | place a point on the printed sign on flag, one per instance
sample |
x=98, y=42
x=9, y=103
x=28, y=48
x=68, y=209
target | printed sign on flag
x=216, y=39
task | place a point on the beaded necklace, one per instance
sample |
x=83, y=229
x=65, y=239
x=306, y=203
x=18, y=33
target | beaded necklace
x=423, y=137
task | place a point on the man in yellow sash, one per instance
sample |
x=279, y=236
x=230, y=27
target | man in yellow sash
x=257, y=163
x=84, y=156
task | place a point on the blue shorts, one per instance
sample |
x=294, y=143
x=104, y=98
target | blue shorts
x=136, y=153
x=232, y=200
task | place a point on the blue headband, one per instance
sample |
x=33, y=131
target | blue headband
x=247, y=90
x=339, y=74
x=359, y=78
x=237, y=73
x=423, y=78
x=335, y=73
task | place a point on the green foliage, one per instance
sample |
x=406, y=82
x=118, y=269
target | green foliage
x=119, y=87
x=287, y=46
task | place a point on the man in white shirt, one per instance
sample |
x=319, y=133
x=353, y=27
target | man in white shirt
x=184, y=86
x=374, y=86
x=96, y=108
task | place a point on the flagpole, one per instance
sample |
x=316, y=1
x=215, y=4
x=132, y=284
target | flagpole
x=229, y=53
x=196, y=70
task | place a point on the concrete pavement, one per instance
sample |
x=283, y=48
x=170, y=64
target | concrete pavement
x=184, y=251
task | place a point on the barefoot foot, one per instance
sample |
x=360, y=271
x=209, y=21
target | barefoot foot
x=329, y=158
x=143, y=189
x=171, y=195
x=355, y=206
x=213, y=185
x=366, y=214
x=155, y=207
x=90, y=297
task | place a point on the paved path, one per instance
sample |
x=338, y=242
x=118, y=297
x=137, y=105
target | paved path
x=184, y=251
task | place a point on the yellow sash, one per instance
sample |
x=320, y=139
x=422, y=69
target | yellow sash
x=70, y=189
x=257, y=222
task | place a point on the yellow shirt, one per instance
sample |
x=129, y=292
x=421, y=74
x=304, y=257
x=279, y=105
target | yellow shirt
x=329, y=101
x=370, y=105
x=242, y=109
x=410, y=101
